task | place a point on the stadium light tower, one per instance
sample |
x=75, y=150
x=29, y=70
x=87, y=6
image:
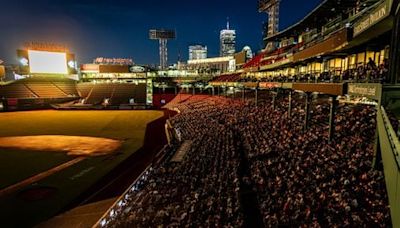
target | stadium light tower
x=271, y=7
x=162, y=36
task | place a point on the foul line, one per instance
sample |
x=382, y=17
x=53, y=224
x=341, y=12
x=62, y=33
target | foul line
x=38, y=177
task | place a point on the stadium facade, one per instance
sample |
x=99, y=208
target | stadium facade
x=214, y=65
x=345, y=51
x=325, y=45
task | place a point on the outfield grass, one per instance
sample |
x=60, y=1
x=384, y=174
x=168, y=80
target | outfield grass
x=15, y=165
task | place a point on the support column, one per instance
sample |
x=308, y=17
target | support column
x=176, y=90
x=273, y=100
x=307, y=111
x=212, y=91
x=243, y=91
x=194, y=88
x=256, y=97
x=218, y=90
x=377, y=151
x=332, y=116
x=290, y=105
x=163, y=53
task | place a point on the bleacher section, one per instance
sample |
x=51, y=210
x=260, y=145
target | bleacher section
x=84, y=89
x=16, y=90
x=39, y=88
x=98, y=93
x=228, y=78
x=255, y=61
x=45, y=90
x=56, y=92
x=123, y=93
x=67, y=88
x=117, y=93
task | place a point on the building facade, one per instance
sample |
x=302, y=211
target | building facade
x=227, y=41
x=197, y=52
x=215, y=65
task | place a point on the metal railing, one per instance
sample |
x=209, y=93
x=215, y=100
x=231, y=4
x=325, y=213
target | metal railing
x=115, y=209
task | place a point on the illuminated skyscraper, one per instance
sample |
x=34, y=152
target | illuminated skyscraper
x=227, y=41
x=197, y=52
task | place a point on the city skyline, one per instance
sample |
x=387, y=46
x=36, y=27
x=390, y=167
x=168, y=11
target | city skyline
x=119, y=28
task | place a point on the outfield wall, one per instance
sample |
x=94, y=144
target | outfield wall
x=390, y=148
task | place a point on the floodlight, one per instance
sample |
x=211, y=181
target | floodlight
x=24, y=61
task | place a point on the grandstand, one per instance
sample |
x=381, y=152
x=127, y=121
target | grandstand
x=56, y=91
x=227, y=78
x=330, y=44
x=289, y=186
x=14, y=90
x=39, y=88
x=115, y=93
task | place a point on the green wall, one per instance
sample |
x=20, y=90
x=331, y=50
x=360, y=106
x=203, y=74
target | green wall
x=389, y=146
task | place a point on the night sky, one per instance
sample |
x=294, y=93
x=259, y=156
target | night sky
x=119, y=28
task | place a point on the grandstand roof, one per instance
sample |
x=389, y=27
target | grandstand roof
x=319, y=16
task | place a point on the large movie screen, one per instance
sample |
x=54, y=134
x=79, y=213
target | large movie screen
x=45, y=62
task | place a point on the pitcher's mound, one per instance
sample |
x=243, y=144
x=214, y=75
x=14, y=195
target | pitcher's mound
x=72, y=145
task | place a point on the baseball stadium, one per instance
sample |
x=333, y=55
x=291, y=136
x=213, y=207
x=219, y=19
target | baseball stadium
x=305, y=133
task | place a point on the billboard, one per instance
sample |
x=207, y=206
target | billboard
x=47, y=62
x=113, y=69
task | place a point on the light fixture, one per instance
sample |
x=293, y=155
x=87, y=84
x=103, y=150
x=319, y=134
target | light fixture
x=24, y=61
x=71, y=64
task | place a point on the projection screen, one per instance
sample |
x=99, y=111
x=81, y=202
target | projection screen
x=47, y=62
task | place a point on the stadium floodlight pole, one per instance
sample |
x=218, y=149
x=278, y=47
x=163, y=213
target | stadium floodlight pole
x=163, y=53
x=162, y=35
x=271, y=7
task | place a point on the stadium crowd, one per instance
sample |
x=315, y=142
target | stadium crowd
x=299, y=177
x=369, y=73
x=303, y=179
